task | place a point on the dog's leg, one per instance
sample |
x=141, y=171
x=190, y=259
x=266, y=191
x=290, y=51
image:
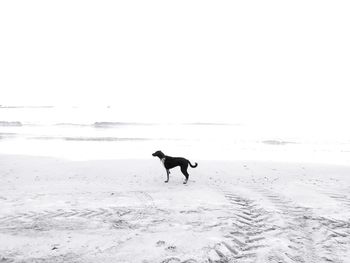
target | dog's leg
x=167, y=176
x=184, y=171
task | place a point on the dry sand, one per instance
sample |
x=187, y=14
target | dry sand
x=55, y=210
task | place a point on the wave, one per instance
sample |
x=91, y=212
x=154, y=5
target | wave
x=277, y=142
x=62, y=124
x=100, y=139
x=116, y=124
x=104, y=124
x=109, y=139
x=25, y=107
x=7, y=135
x=11, y=123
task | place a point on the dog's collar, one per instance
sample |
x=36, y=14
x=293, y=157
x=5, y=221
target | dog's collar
x=163, y=161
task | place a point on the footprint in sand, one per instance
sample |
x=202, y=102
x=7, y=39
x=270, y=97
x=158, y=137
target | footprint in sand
x=160, y=243
x=171, y=248
x=171, y=260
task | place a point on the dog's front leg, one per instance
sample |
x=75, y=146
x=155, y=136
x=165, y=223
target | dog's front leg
x=167, y=176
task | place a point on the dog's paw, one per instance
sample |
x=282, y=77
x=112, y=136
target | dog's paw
x=185, y=182
x=166, y=181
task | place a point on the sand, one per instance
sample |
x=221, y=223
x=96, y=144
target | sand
x=57, y=210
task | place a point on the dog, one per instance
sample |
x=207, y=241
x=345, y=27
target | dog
x=171, y=162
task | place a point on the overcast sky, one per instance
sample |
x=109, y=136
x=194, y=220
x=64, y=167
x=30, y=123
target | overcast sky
x=213, y=60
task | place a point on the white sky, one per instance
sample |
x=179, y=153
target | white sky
x=213, y=60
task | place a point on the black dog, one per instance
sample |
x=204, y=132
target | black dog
x=171, y=162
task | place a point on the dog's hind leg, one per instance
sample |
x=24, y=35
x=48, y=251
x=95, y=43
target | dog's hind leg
x=167, y=176
x=184, y=171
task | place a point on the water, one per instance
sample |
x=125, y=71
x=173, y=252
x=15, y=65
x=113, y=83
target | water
x=102, y=133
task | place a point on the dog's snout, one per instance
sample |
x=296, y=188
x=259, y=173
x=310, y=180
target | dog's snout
x=157, y=154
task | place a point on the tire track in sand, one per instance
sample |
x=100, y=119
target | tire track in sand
x=343, y=198
x=145, y=204
x=248, y=228
x=311, y=238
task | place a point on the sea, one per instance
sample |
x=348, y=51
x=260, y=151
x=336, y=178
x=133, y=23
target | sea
x=90, y=133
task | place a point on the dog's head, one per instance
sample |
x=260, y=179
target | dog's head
x=158, y=154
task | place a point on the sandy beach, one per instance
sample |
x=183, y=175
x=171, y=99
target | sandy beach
x=57, y=210
x=255, y=92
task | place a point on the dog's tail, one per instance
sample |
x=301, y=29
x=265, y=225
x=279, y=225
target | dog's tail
x=193, y=166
